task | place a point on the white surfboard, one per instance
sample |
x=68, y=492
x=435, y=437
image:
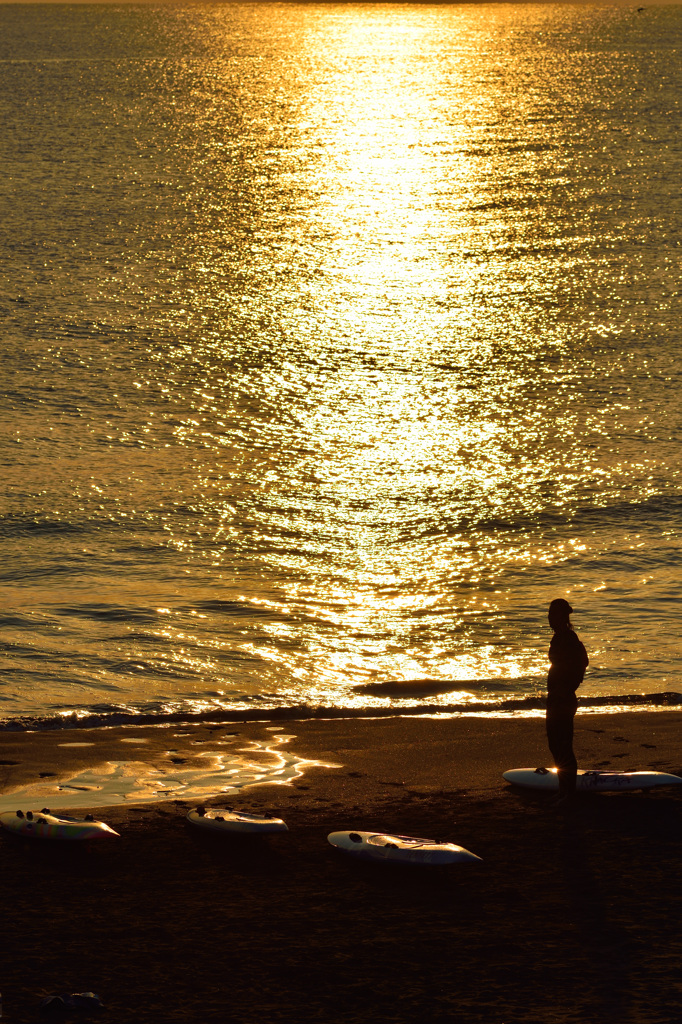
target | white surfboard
x=591, y=781
x=45, y=825
x=217, y=820
x=400, y=849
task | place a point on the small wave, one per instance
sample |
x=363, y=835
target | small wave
x=160, y=668
x=231, y=608
x=655, y=510
x=108, y=612
x=16, y=620
x=244, y=610
x=107, y=716
x=431, y=687
x=12, y=526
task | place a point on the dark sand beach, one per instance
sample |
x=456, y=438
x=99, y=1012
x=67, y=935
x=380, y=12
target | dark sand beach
x=571, y=917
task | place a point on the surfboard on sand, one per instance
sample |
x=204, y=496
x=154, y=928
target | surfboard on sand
x=400, y=849
x=591, y=781
x=216, y=820
x=45, y=825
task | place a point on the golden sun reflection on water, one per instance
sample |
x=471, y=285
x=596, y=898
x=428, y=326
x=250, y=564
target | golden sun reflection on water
x=385, y=363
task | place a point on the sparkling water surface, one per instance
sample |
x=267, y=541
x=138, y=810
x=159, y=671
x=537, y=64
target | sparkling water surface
x=336, y=341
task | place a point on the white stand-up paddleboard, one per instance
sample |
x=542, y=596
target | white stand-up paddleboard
x=218, y=820
x=400, y=849
x=45, y=825
x=590, y=781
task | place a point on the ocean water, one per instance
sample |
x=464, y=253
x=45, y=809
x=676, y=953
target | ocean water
x=335, y=342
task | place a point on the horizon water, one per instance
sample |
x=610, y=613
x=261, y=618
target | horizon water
x=336, y=342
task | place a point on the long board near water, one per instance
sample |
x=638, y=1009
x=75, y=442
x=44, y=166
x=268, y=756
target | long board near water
x=400, y=849
x=591, y=781
x=45, y=825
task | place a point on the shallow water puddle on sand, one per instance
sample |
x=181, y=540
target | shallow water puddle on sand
x=122, y=782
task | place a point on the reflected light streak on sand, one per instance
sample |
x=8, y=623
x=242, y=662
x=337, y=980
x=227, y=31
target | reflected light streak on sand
x=134, y=782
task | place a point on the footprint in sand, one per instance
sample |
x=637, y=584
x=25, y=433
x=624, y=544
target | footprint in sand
x=620, y=739
x=649, y=746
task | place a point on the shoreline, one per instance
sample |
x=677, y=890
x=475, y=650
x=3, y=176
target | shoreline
x=567, y=919
x=199, y=761
x=512, y=708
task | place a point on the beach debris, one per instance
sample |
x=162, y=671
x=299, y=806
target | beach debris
x=83, y=1002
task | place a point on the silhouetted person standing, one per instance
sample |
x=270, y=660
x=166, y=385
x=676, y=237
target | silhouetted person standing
x=568, y=659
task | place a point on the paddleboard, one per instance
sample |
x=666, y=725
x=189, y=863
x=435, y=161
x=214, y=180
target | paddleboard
x=590, y=781
x=234, y=821
x=45, y=825
x=400, y=849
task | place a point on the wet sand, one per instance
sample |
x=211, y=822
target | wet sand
x=571, y=917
